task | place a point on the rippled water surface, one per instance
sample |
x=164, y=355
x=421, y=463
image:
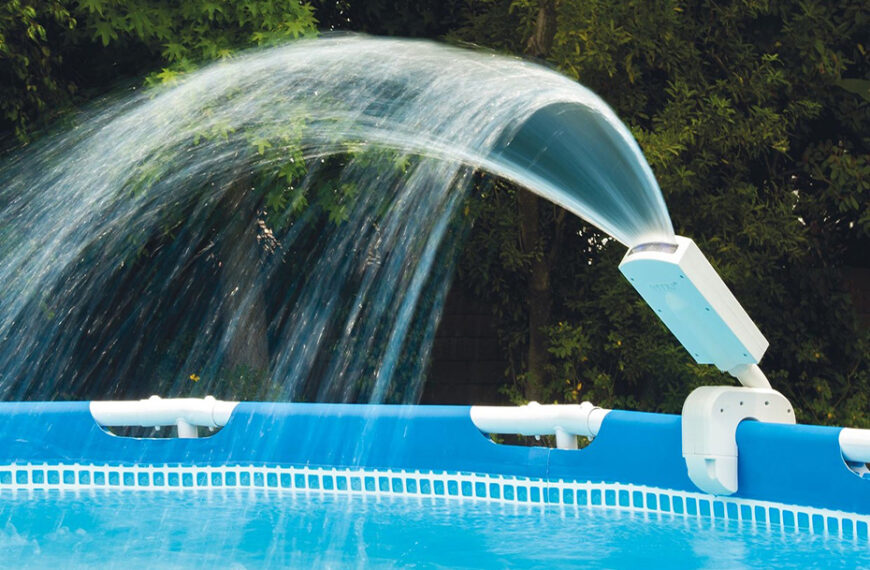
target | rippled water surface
x=253, y=529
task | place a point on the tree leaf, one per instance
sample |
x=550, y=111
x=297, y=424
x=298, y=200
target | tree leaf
x=860, y=87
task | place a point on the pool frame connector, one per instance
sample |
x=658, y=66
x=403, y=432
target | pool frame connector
x=186, y=414
x=565, y=421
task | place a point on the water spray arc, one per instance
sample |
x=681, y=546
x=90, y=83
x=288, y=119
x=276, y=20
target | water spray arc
x=391, y=133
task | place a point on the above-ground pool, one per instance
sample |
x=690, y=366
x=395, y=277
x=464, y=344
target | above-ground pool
x=343, y=485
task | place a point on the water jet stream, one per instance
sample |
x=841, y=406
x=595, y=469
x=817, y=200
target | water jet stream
x=166, y=237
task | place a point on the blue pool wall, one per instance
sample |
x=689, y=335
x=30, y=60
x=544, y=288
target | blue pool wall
x=791, y=464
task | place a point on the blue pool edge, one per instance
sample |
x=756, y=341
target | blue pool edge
x=793, y=476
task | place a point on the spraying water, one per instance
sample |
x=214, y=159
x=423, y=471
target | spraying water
x=283, y=222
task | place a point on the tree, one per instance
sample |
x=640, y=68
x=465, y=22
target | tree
x=745, y=113
x=29, y=64
x=57, y=53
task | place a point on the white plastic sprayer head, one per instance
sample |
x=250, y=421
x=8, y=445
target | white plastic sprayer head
x=687, y=294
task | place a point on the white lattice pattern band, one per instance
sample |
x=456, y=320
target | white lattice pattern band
x=458, y=486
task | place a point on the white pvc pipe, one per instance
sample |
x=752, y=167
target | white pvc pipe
x=536, y=419
x=855, y=444
x=156, y=411
x=565, y=440
x=186, y=430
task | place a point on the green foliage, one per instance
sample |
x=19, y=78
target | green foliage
x=420, y=18
x=48, y=47
x=29, y=63
x=754, y=118
x=194, y=30
x=492, y=24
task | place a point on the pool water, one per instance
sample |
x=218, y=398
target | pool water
x=252, y=529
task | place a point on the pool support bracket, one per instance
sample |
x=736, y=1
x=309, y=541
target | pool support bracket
x=710, y=418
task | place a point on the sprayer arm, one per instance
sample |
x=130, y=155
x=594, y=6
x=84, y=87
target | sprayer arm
x=687, y=294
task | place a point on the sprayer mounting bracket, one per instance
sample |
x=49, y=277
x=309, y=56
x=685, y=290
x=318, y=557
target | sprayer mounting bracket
x=711, y=415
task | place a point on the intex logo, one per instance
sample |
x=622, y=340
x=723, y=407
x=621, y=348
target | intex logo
x=664, y=287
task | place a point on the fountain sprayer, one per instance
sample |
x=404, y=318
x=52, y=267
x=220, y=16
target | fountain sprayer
x=687, y=294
